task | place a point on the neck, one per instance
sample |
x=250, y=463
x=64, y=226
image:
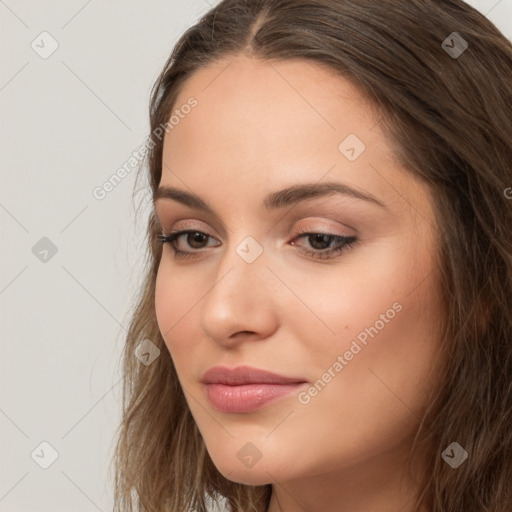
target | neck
x=386, y=484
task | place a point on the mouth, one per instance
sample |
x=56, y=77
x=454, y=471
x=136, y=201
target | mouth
x=246, y=389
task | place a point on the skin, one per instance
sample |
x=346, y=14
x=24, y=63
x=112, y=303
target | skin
x=261, y=126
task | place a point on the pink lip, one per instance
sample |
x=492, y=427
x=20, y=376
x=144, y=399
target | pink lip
x=245, y=389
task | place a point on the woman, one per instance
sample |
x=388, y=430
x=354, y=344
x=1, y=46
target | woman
x=326, y=318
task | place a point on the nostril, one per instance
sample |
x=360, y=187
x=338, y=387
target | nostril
x=243, y=332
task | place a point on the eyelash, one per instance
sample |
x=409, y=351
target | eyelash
x=347, y=243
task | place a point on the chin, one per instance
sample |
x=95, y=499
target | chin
x=248, y=476
x=233, y=469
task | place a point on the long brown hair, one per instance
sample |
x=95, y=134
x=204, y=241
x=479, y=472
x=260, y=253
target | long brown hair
x=447, y=110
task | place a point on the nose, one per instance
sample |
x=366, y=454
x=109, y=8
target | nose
x=241, y=303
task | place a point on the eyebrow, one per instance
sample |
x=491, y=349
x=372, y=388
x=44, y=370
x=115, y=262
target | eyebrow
x=275, y=200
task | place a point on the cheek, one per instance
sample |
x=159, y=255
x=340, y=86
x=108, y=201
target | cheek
x=179, y=296
x=174, y=299
x=164, y=300
x=381, y=315
x=343, y=300
x=373, y=400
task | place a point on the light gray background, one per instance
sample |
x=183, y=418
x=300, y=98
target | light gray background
x=68, y=122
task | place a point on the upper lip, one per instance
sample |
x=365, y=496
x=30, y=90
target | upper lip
x=245, y=375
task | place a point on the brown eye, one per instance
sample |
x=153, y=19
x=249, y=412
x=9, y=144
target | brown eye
x=320, y=242
x=194, y=239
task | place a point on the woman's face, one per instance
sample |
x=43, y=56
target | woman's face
x=355, y=328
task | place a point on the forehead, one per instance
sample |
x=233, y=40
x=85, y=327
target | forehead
x=287, y=98
x=263, y=125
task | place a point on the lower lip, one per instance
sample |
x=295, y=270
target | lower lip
x=247, y=397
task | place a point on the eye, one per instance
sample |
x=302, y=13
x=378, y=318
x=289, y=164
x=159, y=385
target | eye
x=321, y=243
x=194, y=238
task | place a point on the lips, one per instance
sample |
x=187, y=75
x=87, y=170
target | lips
x=246, y=389
x=245, y=375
